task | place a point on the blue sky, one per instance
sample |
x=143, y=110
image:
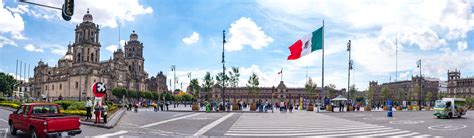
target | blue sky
x=188, y=34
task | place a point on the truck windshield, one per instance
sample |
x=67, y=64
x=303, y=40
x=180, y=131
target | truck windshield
x=45, y=109
x=440, y=104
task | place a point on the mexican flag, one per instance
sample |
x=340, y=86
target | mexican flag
x=307, y=44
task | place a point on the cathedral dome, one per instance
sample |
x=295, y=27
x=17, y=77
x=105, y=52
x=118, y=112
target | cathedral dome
x=133, y=36
x=67, y=57
x=87, y=17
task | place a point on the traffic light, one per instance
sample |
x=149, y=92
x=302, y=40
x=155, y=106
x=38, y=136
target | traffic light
x=68, y=9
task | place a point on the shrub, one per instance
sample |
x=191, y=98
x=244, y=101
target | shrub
x=77, y=106
x=64, y=104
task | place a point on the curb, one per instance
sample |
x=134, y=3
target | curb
x=115, y=118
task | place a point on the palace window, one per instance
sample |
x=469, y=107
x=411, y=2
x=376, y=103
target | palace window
x=46, y=87
x=52, y=87
x=77, y=85
x=60, y=86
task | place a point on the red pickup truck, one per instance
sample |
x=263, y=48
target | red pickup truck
x=43, y=120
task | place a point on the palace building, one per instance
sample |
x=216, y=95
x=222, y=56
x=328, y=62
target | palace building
x=460, y=87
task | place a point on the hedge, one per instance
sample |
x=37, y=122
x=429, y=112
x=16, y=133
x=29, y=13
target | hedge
x=8, y=104
x=74, y=112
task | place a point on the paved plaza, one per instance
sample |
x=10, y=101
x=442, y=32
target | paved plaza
x=147, y=123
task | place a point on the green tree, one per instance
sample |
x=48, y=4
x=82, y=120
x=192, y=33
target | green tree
x=252, y=84
x=133, y=94
x=310, y=88
x=207, y=85
x=429, y=97
x=119, y=92
x=370, y=95
x=155, y=95
x=222, y=78
x=7, y=83
x=234, y=78
x=148, y=95
x=195, y=88
x=332, y=90
x=385, y=93
x=352, y=91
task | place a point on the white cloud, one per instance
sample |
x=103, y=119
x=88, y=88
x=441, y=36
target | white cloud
x=462, y=45
x=112, y=48
x=32, y=48
x=105, y=13
x=11, y=22
x=191, y=39
x=5, y=41
x=57, y=49
x=246, y=32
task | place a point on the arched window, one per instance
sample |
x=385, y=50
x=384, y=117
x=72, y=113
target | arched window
x=52, y=87
x=78, y=57
x=46, y=87
x=129, y=67
x=60, y=86
x=92, y=57
x=77, y=84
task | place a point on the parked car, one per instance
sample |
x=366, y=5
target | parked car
x=43, y=120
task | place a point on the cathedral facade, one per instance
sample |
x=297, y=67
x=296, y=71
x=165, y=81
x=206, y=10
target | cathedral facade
x=80, y=67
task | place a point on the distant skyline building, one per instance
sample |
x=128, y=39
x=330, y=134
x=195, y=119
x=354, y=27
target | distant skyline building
x=407, y=89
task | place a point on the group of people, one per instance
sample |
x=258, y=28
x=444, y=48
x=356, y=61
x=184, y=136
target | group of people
x=100, y=111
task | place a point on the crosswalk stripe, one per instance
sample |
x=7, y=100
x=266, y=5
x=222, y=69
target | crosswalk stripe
x=294, y=131
x=300, y=127
x=251, y=125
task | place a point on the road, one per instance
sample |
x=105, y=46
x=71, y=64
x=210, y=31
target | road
x=147, y=123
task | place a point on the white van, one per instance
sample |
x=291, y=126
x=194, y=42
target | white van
x=449, y=107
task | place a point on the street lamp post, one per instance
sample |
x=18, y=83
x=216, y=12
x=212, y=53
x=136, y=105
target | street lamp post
x=273, y=92
x=223, y=67
x=349, y=70
x=419, y=83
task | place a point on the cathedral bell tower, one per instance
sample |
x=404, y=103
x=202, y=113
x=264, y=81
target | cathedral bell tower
x=86, y=47
x=134, y=55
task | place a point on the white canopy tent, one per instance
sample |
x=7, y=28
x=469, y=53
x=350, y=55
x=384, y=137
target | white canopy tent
x=339, y=98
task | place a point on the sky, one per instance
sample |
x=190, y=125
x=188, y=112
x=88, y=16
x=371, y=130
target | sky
x=188, y=34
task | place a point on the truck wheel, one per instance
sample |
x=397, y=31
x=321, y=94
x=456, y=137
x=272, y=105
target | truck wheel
x=33, y=133
x=459, y=116
x=12, y=129
x=438, y=116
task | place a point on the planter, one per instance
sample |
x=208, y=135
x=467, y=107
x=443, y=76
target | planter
x=329, y=108
x=399, y=108
x=410, y=107
x=350, y=108
x=310, y=108
x=253, y=107
x=427, y=108
x=195, y=107
x=367, y=108
x=385, y=108
x=235, y=107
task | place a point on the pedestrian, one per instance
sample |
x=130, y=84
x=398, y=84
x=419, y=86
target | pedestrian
x=136, y=107
x=97, y=113
x=167, y=105
x=88, y=109
x=291, y=108
x=130, y=106
x=104, y=112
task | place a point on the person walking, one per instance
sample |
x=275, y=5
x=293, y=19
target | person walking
x=88, y=109
x=136, y=107
x=104, y=109
x=291, y=107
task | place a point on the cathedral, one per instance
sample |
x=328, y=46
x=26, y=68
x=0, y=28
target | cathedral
x=80, y=67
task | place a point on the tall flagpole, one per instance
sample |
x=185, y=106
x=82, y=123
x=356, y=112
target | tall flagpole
x=322, y=81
